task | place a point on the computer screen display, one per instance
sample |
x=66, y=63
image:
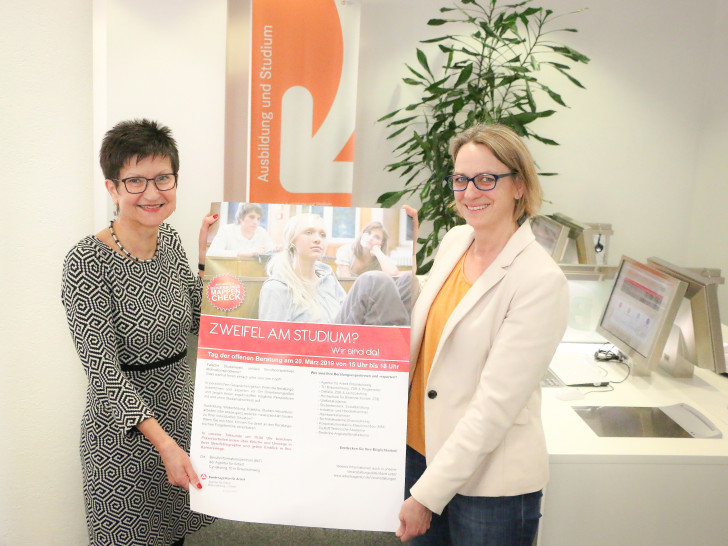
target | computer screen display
x=639, y=313
x=551, y=235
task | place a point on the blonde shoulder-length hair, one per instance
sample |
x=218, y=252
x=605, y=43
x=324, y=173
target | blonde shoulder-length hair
x=283, y=264
x=510, y=150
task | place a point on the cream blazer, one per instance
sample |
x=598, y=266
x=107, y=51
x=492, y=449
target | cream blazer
x=483, y=431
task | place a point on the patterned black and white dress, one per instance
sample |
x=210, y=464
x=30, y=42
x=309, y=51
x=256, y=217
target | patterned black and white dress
x=130, y=321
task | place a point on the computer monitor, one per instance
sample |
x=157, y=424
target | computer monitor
x=582, y=235
x=551, y=235
x=640, y=312
x=696, y=338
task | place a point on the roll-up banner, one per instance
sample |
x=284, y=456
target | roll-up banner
x=303, y=77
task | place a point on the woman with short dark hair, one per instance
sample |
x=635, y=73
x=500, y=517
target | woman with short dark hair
x=131, y=300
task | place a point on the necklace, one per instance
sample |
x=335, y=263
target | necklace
x=125, y=251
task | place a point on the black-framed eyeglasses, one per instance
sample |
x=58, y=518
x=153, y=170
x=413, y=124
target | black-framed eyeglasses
x=138, y=184
x=483, y=181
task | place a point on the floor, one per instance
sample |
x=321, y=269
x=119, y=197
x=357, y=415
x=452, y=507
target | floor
x=224, y=532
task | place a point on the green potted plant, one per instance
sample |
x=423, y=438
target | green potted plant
x=490, y=68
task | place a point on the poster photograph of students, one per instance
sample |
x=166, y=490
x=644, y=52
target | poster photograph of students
x=303, y=361
x=309, y=258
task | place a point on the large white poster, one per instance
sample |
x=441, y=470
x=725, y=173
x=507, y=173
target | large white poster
x=300, y=416
x=300, y=425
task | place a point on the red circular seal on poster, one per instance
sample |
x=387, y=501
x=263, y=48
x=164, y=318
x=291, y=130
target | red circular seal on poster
x=225, y=292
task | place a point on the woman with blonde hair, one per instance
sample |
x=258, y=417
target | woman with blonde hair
x=484, y=330
x=300, y=287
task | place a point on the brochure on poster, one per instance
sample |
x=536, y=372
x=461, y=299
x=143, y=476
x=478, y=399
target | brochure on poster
x=300, y=403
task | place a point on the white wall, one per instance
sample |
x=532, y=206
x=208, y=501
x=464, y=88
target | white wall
x=164, y=60
x=642, y=148
x=45, y=154
x=708, y=196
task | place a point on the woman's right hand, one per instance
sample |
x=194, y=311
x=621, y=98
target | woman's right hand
x=178, y=466
x=175, y=459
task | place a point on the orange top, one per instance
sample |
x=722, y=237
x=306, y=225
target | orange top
x=442, y=307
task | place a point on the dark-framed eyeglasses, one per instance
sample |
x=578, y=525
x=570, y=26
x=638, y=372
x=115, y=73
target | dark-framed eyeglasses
x=138, y=184
x=483, y=181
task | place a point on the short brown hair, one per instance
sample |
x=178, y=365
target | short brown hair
x=138, y=138
x=510, y=150
x=246, y=208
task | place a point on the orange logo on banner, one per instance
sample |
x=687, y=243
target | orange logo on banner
x=302, y=101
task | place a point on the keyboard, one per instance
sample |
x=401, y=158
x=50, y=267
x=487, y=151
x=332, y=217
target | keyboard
x=575, y=370
x=551, y=380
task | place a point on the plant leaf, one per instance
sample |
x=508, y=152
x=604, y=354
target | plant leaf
x=422, y=58
x=529, y=97
x=555, y=96
x=420, y=76
x=391, y=114
x=529, y=11
x=397, y=132
x=570, y=53
x=389, y=198
x=572, y=79
x=403, y=120
x=491, y=72
x=434, y=40
x=558, y=65
x=464, y=75
x=544, y=140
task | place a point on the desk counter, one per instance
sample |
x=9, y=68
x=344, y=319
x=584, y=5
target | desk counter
x=646, y=491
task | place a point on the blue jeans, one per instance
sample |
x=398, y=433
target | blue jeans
x=473, y=521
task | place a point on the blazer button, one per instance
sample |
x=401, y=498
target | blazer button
x=432, y=394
